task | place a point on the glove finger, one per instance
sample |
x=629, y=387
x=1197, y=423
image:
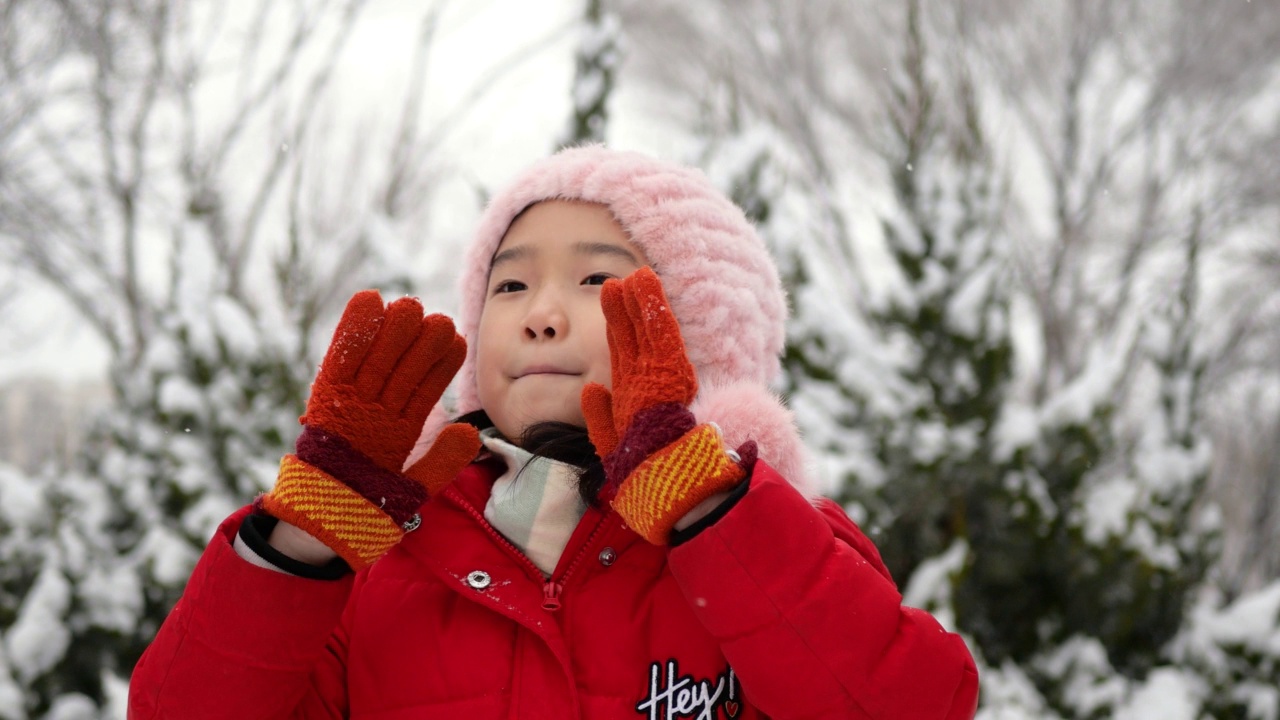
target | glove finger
x=636, y=319
x=597, y=408
x=619, y=331
x=428, y=392
x=352, y=338
x=615, y=358
x=453, y=450
x=640, y=373
x=657, y=330
x=399, y=330
x=655, y=318
x=435, y=337
x=662, y=348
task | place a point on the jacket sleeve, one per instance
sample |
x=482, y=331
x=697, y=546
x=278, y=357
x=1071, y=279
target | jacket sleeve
x=809, y=618
x=245, y=642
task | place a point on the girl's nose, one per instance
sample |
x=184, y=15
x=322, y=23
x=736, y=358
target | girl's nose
x=546, y=320
x=533, y=333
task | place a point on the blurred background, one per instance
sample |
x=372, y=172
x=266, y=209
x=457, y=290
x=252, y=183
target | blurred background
x=1032, y=249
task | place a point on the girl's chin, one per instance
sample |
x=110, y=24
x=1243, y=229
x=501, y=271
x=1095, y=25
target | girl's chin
x=551, y=410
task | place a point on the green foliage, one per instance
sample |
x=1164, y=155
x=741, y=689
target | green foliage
x=595, y=71
x=1071, y=522
x=201, y=415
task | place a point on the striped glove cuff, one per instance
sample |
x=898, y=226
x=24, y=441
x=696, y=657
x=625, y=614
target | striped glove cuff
x=675, y=479
x=355, y=528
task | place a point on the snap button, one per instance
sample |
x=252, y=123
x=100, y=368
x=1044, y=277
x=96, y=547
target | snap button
x=479, y=579
x=607, y=556
x=412, y=523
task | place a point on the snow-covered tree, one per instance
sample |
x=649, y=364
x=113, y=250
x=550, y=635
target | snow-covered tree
x=595, y=72
x=170, y=172
x=1012, y=401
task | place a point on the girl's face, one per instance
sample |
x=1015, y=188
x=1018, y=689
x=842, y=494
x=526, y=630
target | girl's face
x=542, y=332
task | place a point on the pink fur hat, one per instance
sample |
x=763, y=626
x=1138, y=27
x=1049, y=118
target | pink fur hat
x=715, y=268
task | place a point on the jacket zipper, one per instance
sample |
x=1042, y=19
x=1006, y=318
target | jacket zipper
x=551, y=588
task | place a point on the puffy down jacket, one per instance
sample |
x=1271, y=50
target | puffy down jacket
x=779, y=609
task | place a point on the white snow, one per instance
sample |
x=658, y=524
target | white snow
x=1075, y=403
x=930, y=585
x=1028, y=485
x=1008, y=694
x=1107, y=507
x=1253, y=621
x=930, y=442
x=597, y=38
x=178, y=396
x=39, y=636
x=12, y=701
x=235, y=327
x=112, y=596
x=163, y=354
x=73, y=706
x=1261, y=699
x=116, y=690
x=1090, y=683
x=1167, y=468
x=1167, y=694
x=965, y=311
x=1018, y=427
x=21, y=499
x=171, y=556
x=588, y=90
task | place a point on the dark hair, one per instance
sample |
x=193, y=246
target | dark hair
x=558, y=441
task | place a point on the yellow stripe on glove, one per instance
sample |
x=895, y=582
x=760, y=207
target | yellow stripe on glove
x=331, y=512
x=672, y=481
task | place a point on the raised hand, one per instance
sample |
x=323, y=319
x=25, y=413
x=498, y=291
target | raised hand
x=659, y=463
x=346, y=486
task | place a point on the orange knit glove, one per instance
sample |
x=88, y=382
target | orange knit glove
x=659, y=464
x=384, y=371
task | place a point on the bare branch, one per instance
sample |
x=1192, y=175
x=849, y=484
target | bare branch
x=256, y=101
x=482, y=87
x=315, y=88
x=398, y=182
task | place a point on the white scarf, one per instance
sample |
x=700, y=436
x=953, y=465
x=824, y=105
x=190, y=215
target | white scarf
x=535, y=504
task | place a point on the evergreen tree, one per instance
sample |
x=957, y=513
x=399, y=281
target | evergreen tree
x=1028, y=493
x=1059, y=535
x=1049, y=510
x=105, y=549
x=210, y=280
x=595, y=69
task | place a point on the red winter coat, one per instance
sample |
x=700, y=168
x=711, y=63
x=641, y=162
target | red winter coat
x=779, y=609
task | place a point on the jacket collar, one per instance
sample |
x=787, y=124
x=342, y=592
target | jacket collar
x=453, y=522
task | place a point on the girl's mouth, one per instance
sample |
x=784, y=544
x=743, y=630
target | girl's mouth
x=544, y=370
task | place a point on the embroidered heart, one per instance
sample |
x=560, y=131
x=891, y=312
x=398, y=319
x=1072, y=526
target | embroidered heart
x=731, y=708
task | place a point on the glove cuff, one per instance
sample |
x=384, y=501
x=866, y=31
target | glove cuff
x=331, y=512
x=674, y=480
x=388, y=491
x=650, y=430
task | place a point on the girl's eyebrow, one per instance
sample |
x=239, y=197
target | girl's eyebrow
x=510, y=255
x=604, y=248
x=582, y=247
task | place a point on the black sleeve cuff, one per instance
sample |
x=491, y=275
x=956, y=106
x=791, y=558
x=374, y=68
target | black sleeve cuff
x=679, y=537
x=255, y=530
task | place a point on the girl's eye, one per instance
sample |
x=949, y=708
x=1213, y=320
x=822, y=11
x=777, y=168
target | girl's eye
x=596, y=279
x=508, y=286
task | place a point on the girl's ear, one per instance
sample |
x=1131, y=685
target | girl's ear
x=747, y=411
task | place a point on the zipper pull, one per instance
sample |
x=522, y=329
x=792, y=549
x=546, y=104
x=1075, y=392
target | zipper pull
x=551, y=596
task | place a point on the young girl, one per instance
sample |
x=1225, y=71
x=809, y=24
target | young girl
x=612, y=530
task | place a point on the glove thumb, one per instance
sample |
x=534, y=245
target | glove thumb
x=597, y=409
x=455, y=447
